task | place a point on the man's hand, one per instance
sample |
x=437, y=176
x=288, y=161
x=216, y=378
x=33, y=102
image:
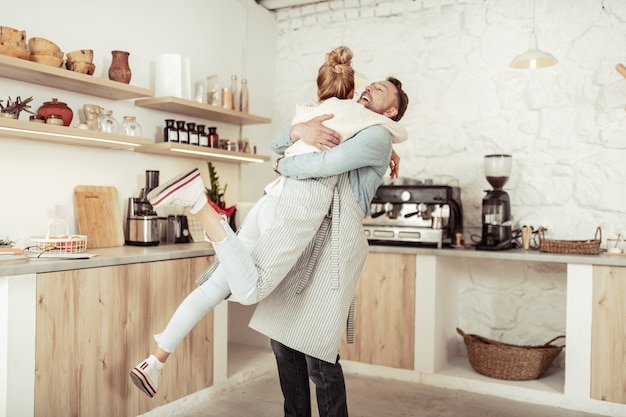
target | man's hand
x=314, y=133
x=394, y=164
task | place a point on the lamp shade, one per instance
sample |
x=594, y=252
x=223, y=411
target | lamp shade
x=533, y=57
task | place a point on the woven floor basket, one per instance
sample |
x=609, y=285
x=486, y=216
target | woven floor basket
x=510, y=362
x=578, y=247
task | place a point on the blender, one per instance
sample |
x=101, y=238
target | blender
x=496, y=216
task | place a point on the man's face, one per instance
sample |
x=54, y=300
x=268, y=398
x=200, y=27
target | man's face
x=380, y=97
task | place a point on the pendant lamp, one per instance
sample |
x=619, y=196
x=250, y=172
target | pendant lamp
x=533, y=57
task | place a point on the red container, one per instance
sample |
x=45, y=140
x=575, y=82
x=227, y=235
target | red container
x=56, y=107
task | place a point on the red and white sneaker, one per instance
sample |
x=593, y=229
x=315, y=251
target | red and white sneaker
x=184, y=191
x=146, y=375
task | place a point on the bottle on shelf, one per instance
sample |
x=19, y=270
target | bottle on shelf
x=214, y=138
x=203, y=138
x=183, y=133
x=244, y=101
x=170, y=133
x=130, y=127
x=233, y=89
x=194, y=139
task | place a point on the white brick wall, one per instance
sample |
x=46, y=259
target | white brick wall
x=565, y=126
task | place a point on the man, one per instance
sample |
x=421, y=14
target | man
x=305, y=314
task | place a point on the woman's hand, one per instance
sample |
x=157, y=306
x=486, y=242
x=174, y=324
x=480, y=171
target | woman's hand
x=314, y=133
x=394, y=164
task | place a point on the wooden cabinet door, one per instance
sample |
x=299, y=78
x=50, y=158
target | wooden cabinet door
x=94, y=325
x=608, y=335
x=384, y=320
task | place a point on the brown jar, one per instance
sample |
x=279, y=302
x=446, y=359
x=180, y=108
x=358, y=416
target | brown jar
x=56, y=107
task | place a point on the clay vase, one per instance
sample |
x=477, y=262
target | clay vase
x=56, y=107
x=119, y=69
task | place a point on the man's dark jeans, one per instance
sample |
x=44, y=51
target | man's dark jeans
x=295, y=369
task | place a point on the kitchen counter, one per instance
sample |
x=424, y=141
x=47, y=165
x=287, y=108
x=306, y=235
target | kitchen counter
x=507, y=255
x=123, y=255
x=137, y=254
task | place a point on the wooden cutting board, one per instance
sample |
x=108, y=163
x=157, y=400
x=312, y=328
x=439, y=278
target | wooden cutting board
x=99, y=216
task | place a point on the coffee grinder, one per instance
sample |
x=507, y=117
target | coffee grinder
x=496, y=205
x=142, y=222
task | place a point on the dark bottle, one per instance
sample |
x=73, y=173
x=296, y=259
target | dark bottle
x=194, y=139
x=170, y=134
x=203, y=138
x=183, y=134
x=214, y=138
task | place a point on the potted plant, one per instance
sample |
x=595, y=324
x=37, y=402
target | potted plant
x=216, y=196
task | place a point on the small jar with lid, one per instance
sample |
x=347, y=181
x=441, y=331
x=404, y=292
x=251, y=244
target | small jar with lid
x=194, y=139
x=183, y=133
x=56, y=107
x=170, y=133
x=107, y=122
x=54, y=119
x=214, y=138
x=130, y=127
x=203, y=138
x=37, y=118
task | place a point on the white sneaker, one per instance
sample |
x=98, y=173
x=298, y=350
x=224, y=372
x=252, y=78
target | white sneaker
x=185, y=191
x=146, y=375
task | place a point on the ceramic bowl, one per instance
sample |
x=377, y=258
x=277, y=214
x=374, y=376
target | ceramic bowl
x=81, y=67
x=53, y=61
x=14, y=51
x=82, y=55
x=42, y=44
x=58, y=54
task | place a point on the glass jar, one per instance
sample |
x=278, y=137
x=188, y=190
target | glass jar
x=37, y=119
x=183, y=133
x=107, y=123
x=214, y=138
x=170, y=134
x=227, y=98
x=54, y=119
x=203, y=138
x=194, y=139
x=130, y=127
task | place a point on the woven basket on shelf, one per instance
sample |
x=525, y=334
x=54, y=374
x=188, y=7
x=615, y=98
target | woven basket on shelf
x=578, y=247
x=510, y=362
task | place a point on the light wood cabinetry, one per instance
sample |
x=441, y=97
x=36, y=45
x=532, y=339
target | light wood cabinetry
x=608, y=338
x=384, y=319
x=93, y=325
x=35, y=73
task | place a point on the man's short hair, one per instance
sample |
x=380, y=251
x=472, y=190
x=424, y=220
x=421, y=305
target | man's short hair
x=403, y=99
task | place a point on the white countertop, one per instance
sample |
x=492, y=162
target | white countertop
x=139, y=254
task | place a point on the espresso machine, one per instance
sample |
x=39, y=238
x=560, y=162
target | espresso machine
x=142, y=222
x=415, y=215
x=496, y=216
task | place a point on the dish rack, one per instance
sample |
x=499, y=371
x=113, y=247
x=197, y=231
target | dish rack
x=56, y=244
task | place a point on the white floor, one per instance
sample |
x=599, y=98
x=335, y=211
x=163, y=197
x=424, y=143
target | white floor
x=254, y=391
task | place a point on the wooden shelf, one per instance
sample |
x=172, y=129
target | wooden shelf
x=202, y=111
x=35, y=73
x=200, y=152
x=16, y=129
